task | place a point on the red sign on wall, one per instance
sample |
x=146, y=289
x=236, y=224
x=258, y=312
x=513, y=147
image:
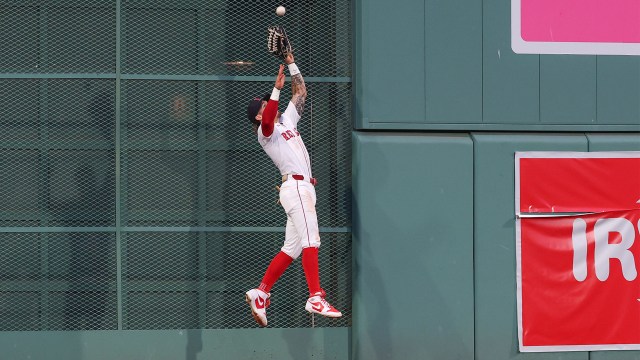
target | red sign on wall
x=578, y=251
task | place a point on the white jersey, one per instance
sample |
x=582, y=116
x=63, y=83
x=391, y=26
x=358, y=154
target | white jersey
x=285, y=146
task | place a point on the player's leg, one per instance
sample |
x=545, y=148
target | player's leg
x=292, y=245
x=289, y=251
x=316, y=303
x=258, y=298
x=299, y=202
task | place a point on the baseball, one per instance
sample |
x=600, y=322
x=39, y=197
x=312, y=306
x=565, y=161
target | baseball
x=280, y=10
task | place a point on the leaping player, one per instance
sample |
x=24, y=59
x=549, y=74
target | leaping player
x=278, y=136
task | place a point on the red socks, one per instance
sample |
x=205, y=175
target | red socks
x=281, y=262
x=311, y=271
x=278, y=265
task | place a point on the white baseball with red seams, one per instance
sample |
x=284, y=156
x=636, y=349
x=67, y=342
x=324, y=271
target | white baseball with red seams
x=298, y=197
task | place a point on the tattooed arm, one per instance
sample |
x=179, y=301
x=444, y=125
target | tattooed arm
x=298, y=87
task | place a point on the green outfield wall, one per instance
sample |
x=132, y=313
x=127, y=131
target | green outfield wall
x=442, y=104
x=434, y=242
x=448, y=65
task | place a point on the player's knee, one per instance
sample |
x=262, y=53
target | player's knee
x=313, y=242
x=293, y=252
x=312, y=245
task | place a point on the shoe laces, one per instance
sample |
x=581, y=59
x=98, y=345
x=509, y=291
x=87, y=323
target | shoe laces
x=325, y=303
x=267, y=300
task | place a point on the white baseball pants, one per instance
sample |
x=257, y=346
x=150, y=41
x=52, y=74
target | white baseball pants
x=298, y=198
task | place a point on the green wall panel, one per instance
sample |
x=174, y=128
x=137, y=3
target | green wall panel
x=618, y=89
x=614, y=355
x=453, y=62
x=412, y=214
x=254, y=344
x=614, y=142
x=510, y=82
x=391, y=70
x=567, y=89
x=448, y=65
x=496, y=335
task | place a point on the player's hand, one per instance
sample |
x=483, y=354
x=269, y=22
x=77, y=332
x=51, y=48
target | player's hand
x=280, y=78
x=289, y=59
x=278, y=190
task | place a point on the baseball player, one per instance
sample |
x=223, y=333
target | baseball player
x=281, y=140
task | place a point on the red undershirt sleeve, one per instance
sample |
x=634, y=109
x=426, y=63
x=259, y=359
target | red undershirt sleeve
x=268, y=117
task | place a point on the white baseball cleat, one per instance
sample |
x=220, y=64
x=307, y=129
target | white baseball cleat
x=259, y=301
x=318, y=305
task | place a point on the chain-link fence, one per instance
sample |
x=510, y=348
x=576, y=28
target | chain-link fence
x=134, y=194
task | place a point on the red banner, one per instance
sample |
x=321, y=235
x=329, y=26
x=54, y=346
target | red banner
x=579, y=184
x=578, y=251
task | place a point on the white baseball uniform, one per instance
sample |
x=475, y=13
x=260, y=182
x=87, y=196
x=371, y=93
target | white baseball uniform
x=298, y=197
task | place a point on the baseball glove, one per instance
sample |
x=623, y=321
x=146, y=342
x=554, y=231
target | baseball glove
x=277, y=42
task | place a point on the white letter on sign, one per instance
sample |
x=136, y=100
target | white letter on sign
x=579, y=239
x=606, y=251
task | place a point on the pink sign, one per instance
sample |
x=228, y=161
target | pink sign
x=607, y=27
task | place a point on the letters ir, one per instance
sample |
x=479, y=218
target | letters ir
x=605, y=250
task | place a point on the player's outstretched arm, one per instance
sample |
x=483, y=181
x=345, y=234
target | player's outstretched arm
x=271, y=110
x=298, y=87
